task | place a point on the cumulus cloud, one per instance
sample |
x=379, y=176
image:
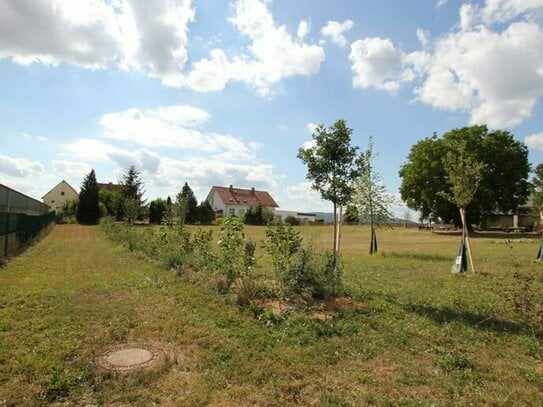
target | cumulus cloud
x=95, y=34
x=468, y=69
x=172, y=126
x=74, y=168
x=305, y=198
x=535, y=141
x=152, y=37
x=376, y=63
x=311, y=127
x=333, y=30
x=19, y=167
x=273, y=54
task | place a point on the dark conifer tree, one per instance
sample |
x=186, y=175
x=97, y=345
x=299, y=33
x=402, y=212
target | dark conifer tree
x=88, y=211
x=191, y=204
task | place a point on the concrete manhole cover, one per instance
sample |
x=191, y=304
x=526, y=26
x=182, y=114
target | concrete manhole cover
x=131, y=356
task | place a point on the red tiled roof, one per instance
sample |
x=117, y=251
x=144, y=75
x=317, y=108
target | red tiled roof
x=249, y=197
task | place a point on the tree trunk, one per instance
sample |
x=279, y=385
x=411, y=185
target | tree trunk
x=465, y=236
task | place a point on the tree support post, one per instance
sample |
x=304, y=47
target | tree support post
x=465, y=237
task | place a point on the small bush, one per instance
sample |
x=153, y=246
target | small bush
x=292, y=221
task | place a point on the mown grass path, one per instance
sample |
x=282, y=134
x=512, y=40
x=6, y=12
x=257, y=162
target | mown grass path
x=74, y=293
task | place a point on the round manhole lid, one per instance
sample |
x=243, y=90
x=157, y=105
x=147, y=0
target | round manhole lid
x=128, y=357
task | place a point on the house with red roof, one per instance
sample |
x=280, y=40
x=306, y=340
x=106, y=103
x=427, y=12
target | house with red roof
x=227, y=201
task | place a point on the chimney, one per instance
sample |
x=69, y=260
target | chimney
x=231, y=188
x=253, y=190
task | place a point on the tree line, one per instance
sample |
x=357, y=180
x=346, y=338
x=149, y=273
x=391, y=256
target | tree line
x=127, y=203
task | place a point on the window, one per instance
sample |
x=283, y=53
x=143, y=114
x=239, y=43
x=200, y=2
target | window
x=52, y=201
x=231, y=211
x=241, y=212
x=62, y=193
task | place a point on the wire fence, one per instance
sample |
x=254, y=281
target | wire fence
x=21, y=219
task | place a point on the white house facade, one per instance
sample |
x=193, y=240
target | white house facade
x=227, y=201
x=57, y=196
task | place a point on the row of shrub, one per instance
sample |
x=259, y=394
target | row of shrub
x=229, y=263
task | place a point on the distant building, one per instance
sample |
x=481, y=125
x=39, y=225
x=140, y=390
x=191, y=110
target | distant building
x=303, y=217
x=227, y=201
x=61, y=193
x=523, y=218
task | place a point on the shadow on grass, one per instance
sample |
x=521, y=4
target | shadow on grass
x=419, y=256
x=477, y=321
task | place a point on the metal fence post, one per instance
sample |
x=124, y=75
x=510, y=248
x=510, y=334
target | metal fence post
x=7, y=222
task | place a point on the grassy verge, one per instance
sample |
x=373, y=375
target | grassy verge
x=426, y=337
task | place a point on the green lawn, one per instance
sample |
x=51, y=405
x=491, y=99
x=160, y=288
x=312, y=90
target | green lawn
x=425, y=337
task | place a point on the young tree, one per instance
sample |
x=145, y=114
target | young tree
x=113, y=202
x=537, y=202
x=132, y=194
x=331, y=165
x=351, y=214
x=169, y=212
x=503, y=186
x=88, y=211
x=370, y=197
x=180, y=207
x=464, y=174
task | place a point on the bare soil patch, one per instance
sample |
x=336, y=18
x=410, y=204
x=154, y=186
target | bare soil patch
x=312, y=308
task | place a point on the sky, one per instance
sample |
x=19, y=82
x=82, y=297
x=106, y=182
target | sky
x=215, y=92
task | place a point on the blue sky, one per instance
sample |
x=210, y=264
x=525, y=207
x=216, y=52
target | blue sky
x=225, y=92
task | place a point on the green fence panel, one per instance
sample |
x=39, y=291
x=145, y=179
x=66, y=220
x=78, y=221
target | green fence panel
x=21, y=219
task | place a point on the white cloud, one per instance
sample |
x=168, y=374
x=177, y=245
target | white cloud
x=535, y=141
x=71, y=171
x=333, y=30
x=300, y=197
x=441, y=3
x=423, y=36
x=152, y=37
x=309, y=144
x=472, y=70
x=96, y=34
x=304, y=27
x=376, y=63
x=311, y=127
x=19, y=167
x=273, y=54
x=505, y=10
x=494, y=75
x=37, y=138
x=174, y=127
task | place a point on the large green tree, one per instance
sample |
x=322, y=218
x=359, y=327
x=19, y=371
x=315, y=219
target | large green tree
x=331, y=166
x=425, y=184
x=88, y=211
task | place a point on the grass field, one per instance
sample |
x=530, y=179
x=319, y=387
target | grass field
x=425, y=336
